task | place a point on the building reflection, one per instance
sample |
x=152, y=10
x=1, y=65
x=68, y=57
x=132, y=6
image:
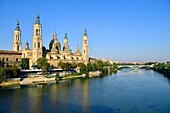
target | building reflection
x=16, y=101
x=86, y=96
x=36, y=99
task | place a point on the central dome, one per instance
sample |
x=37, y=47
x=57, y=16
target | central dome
x=51, y=44
x=57, y=44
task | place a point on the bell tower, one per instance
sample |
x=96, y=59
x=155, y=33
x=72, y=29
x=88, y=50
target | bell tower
x=85, y=48
x=17, y=44
x=37, y=40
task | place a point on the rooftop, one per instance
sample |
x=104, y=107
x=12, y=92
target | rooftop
x=9, y=52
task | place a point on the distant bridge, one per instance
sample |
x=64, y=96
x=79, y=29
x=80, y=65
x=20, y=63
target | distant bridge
x=132, y=66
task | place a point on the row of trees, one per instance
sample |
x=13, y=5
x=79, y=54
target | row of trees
x=162, y=68
x=99, y=65
x=8, y=72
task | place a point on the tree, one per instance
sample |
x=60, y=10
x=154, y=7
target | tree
x=3, y=75
x=1, y=63
x=8, y=72
x=25, y=63
x=83, y=68
x=100, y=65
x=65, y=66
x=43, y=64
x=57, y=76
x=94, y=67
x=89, y=67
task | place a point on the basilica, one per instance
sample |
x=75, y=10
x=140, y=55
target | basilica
x=56, y=51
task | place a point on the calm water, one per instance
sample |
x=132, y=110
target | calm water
x=129, y=91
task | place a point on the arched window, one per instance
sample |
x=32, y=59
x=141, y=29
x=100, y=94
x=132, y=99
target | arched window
x=34, y=45
x=58, y=57
x=38, y=44
x=18, y=48
x=36, y=31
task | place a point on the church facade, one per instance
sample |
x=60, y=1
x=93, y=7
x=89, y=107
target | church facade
x=55, y=53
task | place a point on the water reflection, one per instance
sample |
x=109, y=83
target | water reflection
x=128, y=91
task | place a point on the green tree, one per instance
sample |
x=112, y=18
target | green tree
x=94, y=67
x=57, y=76
x=3, y=75
x=65, y=66
x=43, y=64
x=8, y=72
x=1, y=63
x=83, y=68
x=25, y=63
x=89, y=67
x=100, y=65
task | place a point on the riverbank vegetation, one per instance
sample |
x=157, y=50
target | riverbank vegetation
x=43, y=65
x=103, y=67
x=163, y=68
x=8, y=72
x=70, y=70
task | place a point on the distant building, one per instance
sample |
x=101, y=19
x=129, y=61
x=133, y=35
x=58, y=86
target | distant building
x=10, y=58
x=106, y=60
x=92, y=60
x=55, y=53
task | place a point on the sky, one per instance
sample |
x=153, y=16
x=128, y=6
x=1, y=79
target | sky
x=121, y=30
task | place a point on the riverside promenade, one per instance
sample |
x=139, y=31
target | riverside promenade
x=35, y=80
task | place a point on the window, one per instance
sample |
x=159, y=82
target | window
x=6, y=59
x=84, y=51
x=34, y=45
x=3, y=59
x=18, y=48
x=58, y=57
x=38, y=44
x=17, y=59
x=36, y=31
x=85, y=41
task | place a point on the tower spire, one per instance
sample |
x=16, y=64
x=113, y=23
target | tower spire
x=17, y=26
x=55, y=36
x=27, y=45
x=65, y=36
x=37, y=19
x=85, y=32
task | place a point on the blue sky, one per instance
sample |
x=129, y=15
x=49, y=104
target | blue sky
x=123, y=30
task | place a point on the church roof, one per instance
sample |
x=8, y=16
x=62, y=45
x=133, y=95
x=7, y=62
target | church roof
x=77, y=51
x=9, y=52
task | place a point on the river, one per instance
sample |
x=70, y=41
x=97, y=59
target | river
x=128, y=91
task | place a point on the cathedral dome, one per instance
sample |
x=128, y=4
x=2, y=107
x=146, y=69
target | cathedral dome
x=56, y=42
x=51, y=44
